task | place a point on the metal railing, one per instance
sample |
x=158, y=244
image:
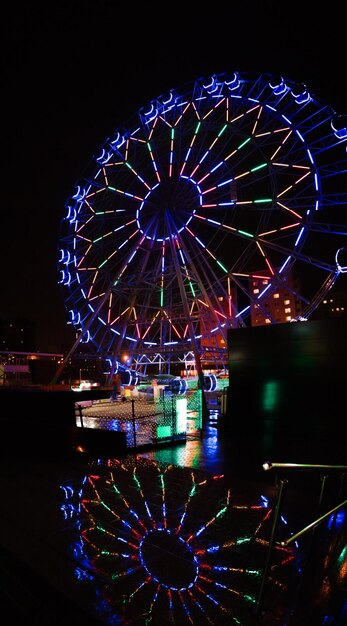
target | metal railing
x=321, y=553
x=145, y=420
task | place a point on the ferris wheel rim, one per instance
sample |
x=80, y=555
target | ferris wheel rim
x=172, y=231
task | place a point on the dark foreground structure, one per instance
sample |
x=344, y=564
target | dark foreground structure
x=244, y=525
x=288, y=378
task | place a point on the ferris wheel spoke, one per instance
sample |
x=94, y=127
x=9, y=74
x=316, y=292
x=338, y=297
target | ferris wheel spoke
x=206, y=288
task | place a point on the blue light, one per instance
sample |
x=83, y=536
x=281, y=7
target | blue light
x=299, y=236
x=339, y=126
x=71, y=215
x=300, y=94
x=233, y=82
x=149, y=114
x=341, y=260
x=86, y=337
x=167, y=99
x=80, y=194
x=243, y=311
x=118, y=141
x=64, y=256
x=65, y=277
x=278, y=85
x=104, y=157
x=336, y=520
x=75, y=317
x=207, y=83
x=216, y=167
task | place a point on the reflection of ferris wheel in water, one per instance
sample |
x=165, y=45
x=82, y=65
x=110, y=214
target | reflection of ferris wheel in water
x=217, y=198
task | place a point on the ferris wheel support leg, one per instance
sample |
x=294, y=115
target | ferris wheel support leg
x=79, y=338
x=204, y=410
x=65, y=361
x=190, y=325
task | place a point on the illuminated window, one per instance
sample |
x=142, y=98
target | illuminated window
x=287, y=302
x=255, y=290
x=267, y=321
x=276, y=295
x=287, y=309
x=264, y=282
x=288, y=318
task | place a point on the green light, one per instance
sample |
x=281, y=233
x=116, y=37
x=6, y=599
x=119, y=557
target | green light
x=244, y=143
x=107, y=508
x=111, y=188
x=343, y=555
x=221, y=512
x=181, y=415
x=222, y=266
x=249, y=598
x=262, y=200
x=137, y=480
x=258, y=167
x=243, y=232
x=222, y=130
x=253, y=572
x=162, y=297
x=270, y=395
x=242, y=540
x=163, y=432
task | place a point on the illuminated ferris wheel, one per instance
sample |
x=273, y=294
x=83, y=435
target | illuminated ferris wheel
x=216, y=198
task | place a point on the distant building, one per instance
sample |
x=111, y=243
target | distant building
x=213, y=342
x=280, y=307
x=17, y=334
x=333, y=306
x=39, y=368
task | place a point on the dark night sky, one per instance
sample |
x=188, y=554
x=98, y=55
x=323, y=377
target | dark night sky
x=74, y=72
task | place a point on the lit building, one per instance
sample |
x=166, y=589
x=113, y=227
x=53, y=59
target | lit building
x=213, y=342
x=280, y=307
x=333, y=306
x=17, y=334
